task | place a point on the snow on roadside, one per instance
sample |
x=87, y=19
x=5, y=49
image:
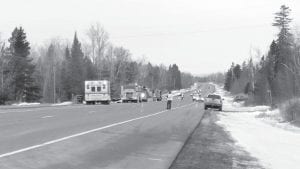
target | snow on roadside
x=62, y=104
x=26, y=104
x=259, y=131
x=230, y=106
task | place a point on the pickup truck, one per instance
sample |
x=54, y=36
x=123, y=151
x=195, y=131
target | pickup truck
x=213, y=101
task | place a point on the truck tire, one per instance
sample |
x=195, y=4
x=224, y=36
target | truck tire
x=205, y=107
x=220, y=109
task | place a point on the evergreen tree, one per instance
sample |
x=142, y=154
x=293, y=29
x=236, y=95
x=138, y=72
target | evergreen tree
x=66, y=76
x=237, y=71
x=77, y=68
x=24, y=85
x=48, y=88
x=90, y=72
x=229, y=79
x=177, y=77
x=261, y=87
x=283, y=58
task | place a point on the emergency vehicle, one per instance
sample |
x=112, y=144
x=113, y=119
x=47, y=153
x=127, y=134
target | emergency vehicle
x=97, y=91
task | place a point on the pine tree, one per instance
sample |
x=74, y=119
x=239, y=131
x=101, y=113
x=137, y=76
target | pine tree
x=90, y=72
x=76, y=67
x=237, y=71
x=229, y=79
x=66, y=75
x=48, y=88
x=24, y=85
x=283, y=59
x=177, y=77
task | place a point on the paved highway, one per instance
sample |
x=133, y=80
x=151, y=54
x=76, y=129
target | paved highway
x=96, y=136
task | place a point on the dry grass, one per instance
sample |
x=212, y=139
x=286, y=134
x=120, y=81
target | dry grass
x=290, y=110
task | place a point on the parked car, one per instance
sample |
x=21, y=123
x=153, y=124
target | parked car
x=240, y=98
x=213, y=101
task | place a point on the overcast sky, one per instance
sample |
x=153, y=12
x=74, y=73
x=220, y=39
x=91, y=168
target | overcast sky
x=200, y=36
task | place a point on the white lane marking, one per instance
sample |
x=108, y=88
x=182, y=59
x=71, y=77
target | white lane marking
x=84, y=133
x=155, y=159
x=46, y=117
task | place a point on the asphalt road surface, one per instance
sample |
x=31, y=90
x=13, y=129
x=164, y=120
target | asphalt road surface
x=114, y=136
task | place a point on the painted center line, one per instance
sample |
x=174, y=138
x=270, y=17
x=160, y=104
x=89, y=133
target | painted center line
x=86, y=132
x=46, y=117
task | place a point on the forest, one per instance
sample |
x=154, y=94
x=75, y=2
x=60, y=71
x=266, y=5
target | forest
x=275, y=78
x=56, y=72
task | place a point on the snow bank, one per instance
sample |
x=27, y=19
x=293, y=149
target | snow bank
x=275, y=144
x=274, y=147
x=26, y=104
x=62, y=104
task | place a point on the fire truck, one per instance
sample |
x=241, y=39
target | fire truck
x=130, y=93
x=97, y=91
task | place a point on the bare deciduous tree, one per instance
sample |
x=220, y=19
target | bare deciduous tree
x=98, y=42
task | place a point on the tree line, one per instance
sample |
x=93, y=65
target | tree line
x=56, y=72
x=275, y=78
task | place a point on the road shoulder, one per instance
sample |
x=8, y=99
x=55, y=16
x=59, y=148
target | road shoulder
x=211, y=147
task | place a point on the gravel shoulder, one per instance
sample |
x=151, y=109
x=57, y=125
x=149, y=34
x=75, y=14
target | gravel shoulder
x=211, y=147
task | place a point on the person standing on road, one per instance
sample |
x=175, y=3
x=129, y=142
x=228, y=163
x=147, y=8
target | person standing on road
x=182, y=96
x=169, y=100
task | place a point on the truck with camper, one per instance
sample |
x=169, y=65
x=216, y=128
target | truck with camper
x=97, y=91
x=213, y=101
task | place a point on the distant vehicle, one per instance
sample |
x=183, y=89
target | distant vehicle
x=144, y=93
x=213, y=101
x=157, y=95
x=97, y=91
x=197, y=98
x=176, y=93
x=130, y=93
x=240, y=98
x=201, y=99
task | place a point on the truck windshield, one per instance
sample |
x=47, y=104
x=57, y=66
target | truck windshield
x=214, y=96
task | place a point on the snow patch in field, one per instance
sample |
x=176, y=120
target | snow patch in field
x=62, y=104
x=26, y=104
x=262, y=132
x=275, y=119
